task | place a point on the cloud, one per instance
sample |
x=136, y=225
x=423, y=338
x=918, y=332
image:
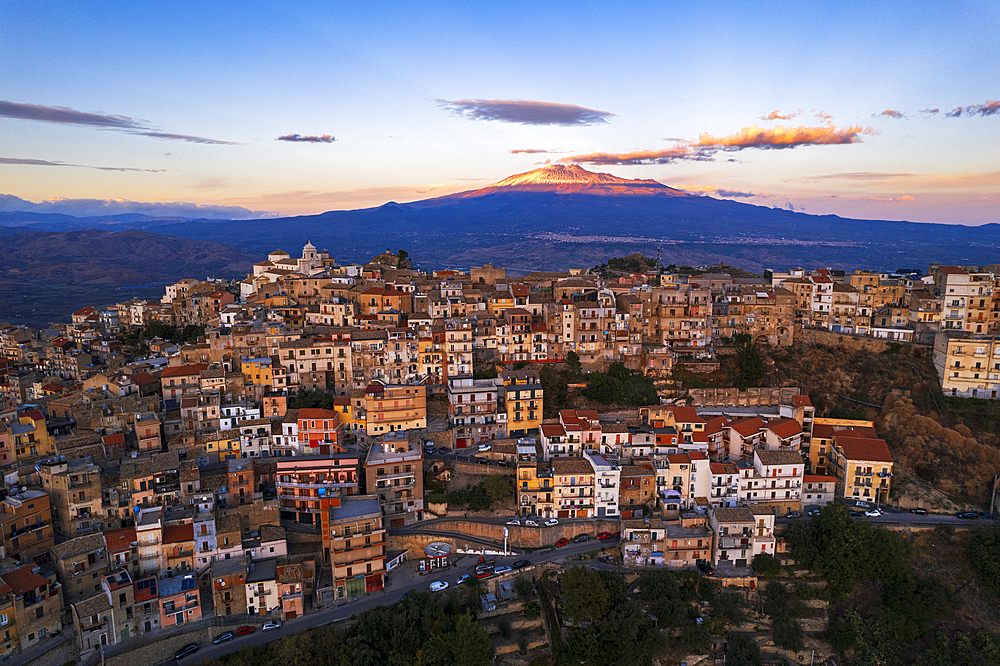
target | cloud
x=778, y=115
x=721, y=192
x=707, y=146
x=102, y=207
x=930, y=112
x=531, y=151
x=823, y=116
x=861, y=175
x=905, y=197
x=889, y=113
x=525, y=112
x=988, y=108
x=66, y=116
x=312, y=138
x=34, y=162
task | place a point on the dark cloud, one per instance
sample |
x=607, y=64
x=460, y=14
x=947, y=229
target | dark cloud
x=888, y=113
x=33, y=162
x=930, y=112
x=312, y=138
x=525, y=112
x=65, y=116
x=722, y=192
x=988, y=108
x=94, y=207
x=705, y=148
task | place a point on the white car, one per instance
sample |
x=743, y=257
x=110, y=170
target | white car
x=439, y=586
x=462, y=579
x=502, y=570
x=271, y=624
x=514, y=521
x=530, y=523
x=483, y=448
x=873, y=513
x=550, y=522
x=862, y=505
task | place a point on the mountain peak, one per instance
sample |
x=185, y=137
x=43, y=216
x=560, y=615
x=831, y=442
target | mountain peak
x=572, y=179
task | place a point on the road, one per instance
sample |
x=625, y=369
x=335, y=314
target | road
x=402, y=582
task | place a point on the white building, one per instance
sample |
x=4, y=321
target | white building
x=607, y=482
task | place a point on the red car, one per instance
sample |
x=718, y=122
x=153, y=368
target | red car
x=245, y=630
x=562, y=542
x=484, y=572
x=603, y=536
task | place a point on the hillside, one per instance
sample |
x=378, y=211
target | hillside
x=44, y=276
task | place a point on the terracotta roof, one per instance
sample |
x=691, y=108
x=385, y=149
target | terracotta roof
x=553, y=430
x=748, y=427
x=817, y=478
x=183, y=370
x=736, y=514
x=801, y=401
x=314, y=413
x=119, y=540
x=686, y=414
x=772, y=458
x=679, y=458
x=178, y=533
x=863, y=449
x=952, y=270
x=566, y=466
x=23, y=579
x=785, y=428
x=716, y=424
x=826, y=431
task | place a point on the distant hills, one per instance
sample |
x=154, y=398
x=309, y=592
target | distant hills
x=551, y=218
x=44, y=276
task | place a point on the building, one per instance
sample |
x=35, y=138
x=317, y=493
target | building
x=178, y=549
x=94, y=624
x=654, y=542
x=392, y=407
x=319, y=431
x=80, y=563
x=524, y=400
x=863, y=467
x=74, y=488
x=262, y=587
x=818, y=490
x=38, y=603
x=26, y=526
x=229, y=593
x=394, y=473
x=968, y=365
x=740, y=533
x=120, y=591
x=179, y=600
x=304, y=481
x=354, y=544
x=574, y=487
x=607, y=481
x=472, y=411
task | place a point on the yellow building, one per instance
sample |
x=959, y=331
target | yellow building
x=968, y=365
x=352, y=410
x=862, y=467
x=430, y=356
x=258, y=371
x=524, y=401
x=823, y=432
x=30, y=438
x=535, y=487
x=225, y=444
x=394, y=407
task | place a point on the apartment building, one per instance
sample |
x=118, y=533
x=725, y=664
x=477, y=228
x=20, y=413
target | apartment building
x=740, y=533
x=607, y=482
x=74, y=487
x=968, y=365
x=354, y=544
x=80, y=563
x=472, y=411
x=303, y=481
x=524, y=400
x=862, y=466
x=37, y=603
x=395, y=407
x=229, y=592
x=26, y=531
x=394, y=474
x=574, y=487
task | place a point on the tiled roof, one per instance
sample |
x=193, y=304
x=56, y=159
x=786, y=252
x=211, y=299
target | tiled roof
x=748, y=427
x=178, y=533
x=564, y=466
x=771, y=458
x=736, y=514
x=119, y=540
x=785, y=428
x=863, y=449
x=78, y=546
x=23, y=579
x=183, y=370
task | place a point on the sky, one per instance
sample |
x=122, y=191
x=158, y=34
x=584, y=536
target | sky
x=882, y=110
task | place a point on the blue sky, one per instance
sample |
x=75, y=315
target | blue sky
x=411, y=98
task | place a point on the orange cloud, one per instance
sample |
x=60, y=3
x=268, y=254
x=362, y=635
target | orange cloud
x=823, y=116
x=778, y=115
x=889, y=113
x=905, y=197
x=707, y=145
x=987, y=108
x=530, y=151
x=721, y=192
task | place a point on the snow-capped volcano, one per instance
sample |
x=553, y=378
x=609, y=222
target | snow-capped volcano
x=573, y=179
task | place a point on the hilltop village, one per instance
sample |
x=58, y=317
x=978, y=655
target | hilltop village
x=262, y=448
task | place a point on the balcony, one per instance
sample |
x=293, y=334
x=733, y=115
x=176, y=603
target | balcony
x=313, y=486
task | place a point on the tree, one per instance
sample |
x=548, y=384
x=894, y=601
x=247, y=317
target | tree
x=742, y=650
x=573, y=364
x=404, y=259
x=749, y=363
x=498, y=487
x=469, y=644
x=984, y=554
x=585, y=595
x=766, y=565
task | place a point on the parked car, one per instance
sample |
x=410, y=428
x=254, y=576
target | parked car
x=793, y=514
x=550, y=522
x=862, y=504
x=430, y=450
x=856, y=514
x=271, y=624
x=530, y=523
x=245, y=630
x=444, y=450
x=222, y=638
x=984, y=514
x=604, y=536
x=813, y=512
x=486, y=562
x=705, y=567
x=462, y=579
x=967, y=515
x=874, y=513
x=190, y=648
x=562, y=542
x=520, y=564
x=439, y=586
x=483, y=448
x=484, y=572
x=514, y=521
x=502, y=569
x=919, y=511
x=580, y=538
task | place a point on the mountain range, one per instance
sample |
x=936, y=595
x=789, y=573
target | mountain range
x=552, y=218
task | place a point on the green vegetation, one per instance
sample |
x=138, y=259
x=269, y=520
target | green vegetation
x=555, y=389
x=619, y=266
x=139, y=340
x=573, y=364
x=984, y=554
x=749, y=362
x=620, y=387
x=788, y=632
x=413, y=631
x=493, y=489
x=312, y=399
x=766, y=565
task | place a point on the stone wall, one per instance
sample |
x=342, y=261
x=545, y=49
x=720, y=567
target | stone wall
x=161, y=646
x=525, y=537
x=752, y=397
x=816, y=336
x=476, y=469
